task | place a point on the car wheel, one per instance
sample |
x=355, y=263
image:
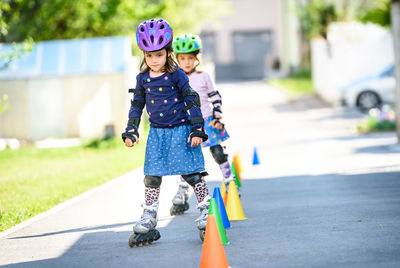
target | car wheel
x=368, y=100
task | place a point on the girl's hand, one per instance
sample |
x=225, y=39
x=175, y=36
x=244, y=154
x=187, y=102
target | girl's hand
x=196, y=141
x=129, y=143
x=196, y=137
x=216, y=123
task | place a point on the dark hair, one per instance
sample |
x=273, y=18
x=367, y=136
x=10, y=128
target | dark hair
x=170, y=65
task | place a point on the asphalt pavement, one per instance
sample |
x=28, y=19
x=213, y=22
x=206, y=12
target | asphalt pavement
x=322, y=196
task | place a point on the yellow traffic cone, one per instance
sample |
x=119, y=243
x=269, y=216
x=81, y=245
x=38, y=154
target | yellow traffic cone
x=223, y=190
x=233, y=206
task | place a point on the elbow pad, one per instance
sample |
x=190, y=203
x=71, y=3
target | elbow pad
x=190, y=92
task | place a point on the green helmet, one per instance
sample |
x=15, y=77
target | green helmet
x=187, y=43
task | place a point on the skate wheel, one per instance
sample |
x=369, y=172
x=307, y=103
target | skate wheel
x=137, y=244
x=144, y=243
x=171, y=211
x=150, y=241
x=186, y=206
x=131, y=238
x=202, y=234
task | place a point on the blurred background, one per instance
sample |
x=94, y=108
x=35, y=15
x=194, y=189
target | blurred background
x=65, y=65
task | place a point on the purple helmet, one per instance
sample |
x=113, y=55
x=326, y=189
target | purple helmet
x=153, y=35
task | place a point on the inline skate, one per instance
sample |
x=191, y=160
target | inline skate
x=145, y=229
x=202, y=219
x=179, y=202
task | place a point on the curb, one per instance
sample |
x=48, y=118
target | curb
x=69, y=202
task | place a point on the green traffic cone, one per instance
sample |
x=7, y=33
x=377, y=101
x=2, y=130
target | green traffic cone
x=237, y=181
x=213, y=210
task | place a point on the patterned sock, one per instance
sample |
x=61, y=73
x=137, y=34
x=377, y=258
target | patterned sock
x=151, y=195
x=200, y=190
x=225, y=169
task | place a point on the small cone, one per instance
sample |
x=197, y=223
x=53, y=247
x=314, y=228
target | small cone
x=221, y=208
x=238, y=165
x=223, y=190
x=233, y=169
x=213, y=210
x=233, y=206
x=255, y=157
x=213, y=254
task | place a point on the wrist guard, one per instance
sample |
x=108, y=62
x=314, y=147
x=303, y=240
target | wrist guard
x=216, y=111
x=198, y=133
x=130, y=135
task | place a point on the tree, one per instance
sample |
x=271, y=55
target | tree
x=378, y=13
x=15, y=51
x=67, y=19
x=316, y=15
x=3, y=31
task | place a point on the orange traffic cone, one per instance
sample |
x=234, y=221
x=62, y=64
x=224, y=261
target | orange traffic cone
x=233, y=206
x=213, y=254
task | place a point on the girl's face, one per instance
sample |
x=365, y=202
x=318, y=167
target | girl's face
x=187, y=62
x=156, y=60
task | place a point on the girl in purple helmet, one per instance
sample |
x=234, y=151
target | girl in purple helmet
x=174, y=137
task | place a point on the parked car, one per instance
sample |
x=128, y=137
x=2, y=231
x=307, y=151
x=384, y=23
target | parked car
x=372, y=92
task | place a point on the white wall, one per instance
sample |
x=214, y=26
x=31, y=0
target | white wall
x=45, y=108
x=352, y=52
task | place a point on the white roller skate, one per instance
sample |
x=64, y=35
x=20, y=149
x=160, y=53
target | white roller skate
x=148, y=220
x=179, y=202
x=202, y=219
x=145, y=229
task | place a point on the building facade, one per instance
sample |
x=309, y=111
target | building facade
x=260, y=35
x=68, y=88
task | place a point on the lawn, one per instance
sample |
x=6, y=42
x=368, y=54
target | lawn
x=299, y=83
x=33, y=180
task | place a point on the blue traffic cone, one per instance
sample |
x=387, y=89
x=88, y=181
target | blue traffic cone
x=221, y=208
x=255, y=157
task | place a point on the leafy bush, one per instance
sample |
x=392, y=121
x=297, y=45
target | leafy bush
x=378, y=120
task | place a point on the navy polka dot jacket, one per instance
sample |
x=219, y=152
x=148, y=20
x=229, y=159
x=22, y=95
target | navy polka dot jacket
x=169, y=101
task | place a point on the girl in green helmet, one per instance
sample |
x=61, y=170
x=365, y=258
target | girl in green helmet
x=187, y=48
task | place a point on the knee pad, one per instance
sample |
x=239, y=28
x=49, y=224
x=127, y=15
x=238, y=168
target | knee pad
x=193, y=179
x=152, y=181
x=218, y=153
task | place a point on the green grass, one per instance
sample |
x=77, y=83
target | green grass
x=372, y=124
x=33, y=180
x=299, y=83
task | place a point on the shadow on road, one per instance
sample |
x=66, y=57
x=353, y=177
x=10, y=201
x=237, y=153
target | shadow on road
x=325, y=220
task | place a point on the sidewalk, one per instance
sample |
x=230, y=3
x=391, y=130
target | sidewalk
x=322, y=196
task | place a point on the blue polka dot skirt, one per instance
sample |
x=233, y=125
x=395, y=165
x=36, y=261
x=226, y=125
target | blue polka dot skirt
x=168, y=153
x=215, y=136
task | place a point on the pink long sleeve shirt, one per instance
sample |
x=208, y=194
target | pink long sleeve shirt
x=204, y=86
